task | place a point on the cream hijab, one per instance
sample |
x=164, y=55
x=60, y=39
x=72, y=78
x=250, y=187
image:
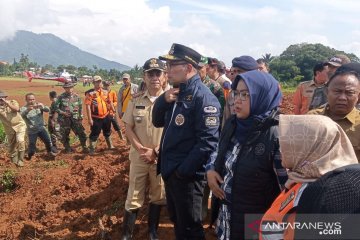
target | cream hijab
x=312, y=145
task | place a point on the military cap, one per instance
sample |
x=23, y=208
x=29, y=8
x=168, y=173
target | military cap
x=246, y=63
x=97, y=78
x=203, y=61
x=181, y=52
x=126, y=76
x=335, y=61
x=154, y=63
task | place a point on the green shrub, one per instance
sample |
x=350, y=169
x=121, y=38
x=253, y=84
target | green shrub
x=8, y=180
x=2, y=133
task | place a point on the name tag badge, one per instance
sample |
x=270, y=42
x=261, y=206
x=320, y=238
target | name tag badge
x=140, y=107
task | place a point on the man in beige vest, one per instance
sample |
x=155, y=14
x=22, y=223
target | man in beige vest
x=145, y=141
x=15, y=128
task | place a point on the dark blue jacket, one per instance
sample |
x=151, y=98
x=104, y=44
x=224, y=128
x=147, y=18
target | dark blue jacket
x=191, y=131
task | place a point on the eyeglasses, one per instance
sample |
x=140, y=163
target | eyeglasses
x=154, y=73
x=242, y=95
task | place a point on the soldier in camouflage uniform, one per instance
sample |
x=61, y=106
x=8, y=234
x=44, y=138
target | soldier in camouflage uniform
x=217, y=90
x=53, y=125
x=214, y=86
x=69, y=109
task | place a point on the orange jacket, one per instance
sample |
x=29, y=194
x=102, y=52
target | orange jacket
x=282, y=210
x=99, y=102
x=113, y=99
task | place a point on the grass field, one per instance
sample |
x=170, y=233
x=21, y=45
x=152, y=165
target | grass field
x=51, y=85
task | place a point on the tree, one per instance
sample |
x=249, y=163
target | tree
x=267, y=57
x=48, y=68
x=61, y=68
x=71, y=69
x=5, y=70
x=285, y=71
x=306, y=55
x=24, y=62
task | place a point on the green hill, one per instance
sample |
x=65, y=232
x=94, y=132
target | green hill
x=47, y=48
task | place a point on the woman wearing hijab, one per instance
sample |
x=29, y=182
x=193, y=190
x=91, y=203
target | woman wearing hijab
x=311, y=146
x=245, y=172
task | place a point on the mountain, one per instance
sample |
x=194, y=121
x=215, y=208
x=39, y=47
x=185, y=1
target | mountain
x=47, y=48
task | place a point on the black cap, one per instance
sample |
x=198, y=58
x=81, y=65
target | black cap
x=349, y=67
x=154, y=63
x=181, y=52
x=246, y=63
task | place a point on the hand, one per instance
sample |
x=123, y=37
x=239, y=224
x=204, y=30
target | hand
x=147, y=155
x=214, y=181
x=3, y=101
x=40, y=105
x=91, y=122
x=171, y=95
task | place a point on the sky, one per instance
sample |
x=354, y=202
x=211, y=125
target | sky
x=132, y=31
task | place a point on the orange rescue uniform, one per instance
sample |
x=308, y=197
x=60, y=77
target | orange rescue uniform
x=99, y=102
x=282, y=210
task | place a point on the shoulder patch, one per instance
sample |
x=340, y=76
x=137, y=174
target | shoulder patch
x=179, y=119
x=211, y=121
x=210, y=109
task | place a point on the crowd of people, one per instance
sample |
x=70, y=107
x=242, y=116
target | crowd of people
x=198, y=129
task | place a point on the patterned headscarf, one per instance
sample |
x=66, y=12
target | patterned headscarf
x=312, y=145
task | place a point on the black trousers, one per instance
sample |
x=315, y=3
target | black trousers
x=184, y=202
x=99, y=124
x=115, y=123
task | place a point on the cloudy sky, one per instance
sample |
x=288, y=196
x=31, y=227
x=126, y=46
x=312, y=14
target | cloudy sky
x=132, y=31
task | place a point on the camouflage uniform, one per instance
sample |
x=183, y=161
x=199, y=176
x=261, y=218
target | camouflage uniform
x=54, y=126
x=217, y=90
x=70, y=103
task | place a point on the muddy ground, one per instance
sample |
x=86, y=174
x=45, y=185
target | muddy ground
x=74, y=196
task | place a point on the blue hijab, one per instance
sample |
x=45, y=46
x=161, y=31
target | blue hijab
x=265, y=96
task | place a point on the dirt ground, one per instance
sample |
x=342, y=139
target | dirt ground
x=74, y=196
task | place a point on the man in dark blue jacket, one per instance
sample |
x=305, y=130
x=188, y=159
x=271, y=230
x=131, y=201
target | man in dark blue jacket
x=189, y=113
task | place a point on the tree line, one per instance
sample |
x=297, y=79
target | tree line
x=296, y=63
x=293, y=65
x=25, y=64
